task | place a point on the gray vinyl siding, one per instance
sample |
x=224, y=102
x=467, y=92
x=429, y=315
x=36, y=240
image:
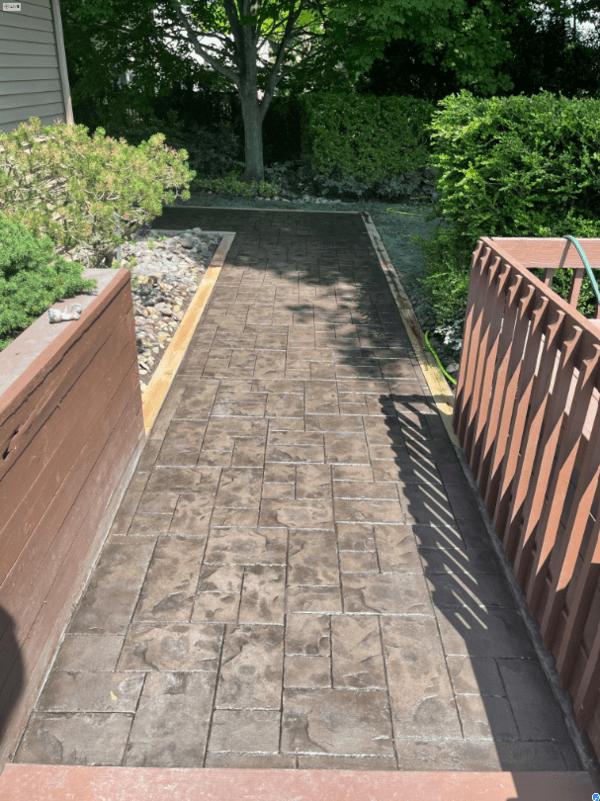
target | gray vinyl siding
x=30, y=76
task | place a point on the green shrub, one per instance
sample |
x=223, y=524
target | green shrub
x=78, y=190
x=394, y=189
x=211, y=153
x=32, y=278
x=232, y=186
x=364, y=137
x=447, y=271
x=513, y=166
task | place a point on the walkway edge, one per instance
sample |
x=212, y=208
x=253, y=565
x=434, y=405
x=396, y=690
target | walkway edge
x=249, y=208
x=438, y=385
x=82, y=783
x=155, y=393
x=444, y=401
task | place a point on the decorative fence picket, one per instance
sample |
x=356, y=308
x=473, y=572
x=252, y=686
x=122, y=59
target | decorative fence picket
x=527, y=416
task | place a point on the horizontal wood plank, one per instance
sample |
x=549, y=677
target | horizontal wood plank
x=72, y=425
x=24, y=590
x=43, y=111
x=20, y=47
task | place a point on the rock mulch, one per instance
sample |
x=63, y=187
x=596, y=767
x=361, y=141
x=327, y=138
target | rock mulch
x=288, y=197
x=168, y=272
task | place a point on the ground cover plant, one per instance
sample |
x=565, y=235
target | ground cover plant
x=32, y=277
x=295, y=179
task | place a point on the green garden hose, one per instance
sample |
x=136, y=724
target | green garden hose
x=437, y=358
x=586, y=264
x=408, y=213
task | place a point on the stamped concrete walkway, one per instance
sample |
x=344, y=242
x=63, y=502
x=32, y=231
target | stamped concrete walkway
x=298, y=576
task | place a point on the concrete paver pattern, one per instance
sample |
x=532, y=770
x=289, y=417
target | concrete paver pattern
x=298, y=575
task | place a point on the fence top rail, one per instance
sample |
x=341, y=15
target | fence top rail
x=511, y=248
x=538, y=253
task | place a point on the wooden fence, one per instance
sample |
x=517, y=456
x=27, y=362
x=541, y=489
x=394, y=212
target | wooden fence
x=526, y=415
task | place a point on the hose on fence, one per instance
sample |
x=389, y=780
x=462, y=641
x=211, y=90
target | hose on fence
x=437, y=358
x=586, y=264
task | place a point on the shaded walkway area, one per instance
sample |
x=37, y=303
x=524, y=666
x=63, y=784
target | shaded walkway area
x=298, y=575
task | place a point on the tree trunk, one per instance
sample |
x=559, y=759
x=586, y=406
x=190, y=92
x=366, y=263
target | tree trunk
x=253, y=139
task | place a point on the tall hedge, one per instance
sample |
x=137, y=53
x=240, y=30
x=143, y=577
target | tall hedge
x=512, y=166
x=366, y=137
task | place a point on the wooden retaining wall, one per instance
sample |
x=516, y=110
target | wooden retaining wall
x=71, y=432
x=527, y=416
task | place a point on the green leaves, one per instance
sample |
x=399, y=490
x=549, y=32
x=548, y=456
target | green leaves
x=32, y=278
x=76, y=190
x=469, y=33
x=365, y=137
x=517, y=156
x=513, y=166
x=231, y=186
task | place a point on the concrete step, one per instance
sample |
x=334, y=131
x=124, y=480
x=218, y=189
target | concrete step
x=82, y=783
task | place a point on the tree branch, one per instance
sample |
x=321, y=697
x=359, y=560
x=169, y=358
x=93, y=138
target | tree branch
x=236, y=30
x=301, y=39
x=274, y=78
x=201, y=51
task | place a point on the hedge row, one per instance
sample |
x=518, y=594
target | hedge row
x=513, y=166
x=365, y=137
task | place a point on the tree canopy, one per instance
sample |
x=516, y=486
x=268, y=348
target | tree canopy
x=264, y=47
x=312, y=43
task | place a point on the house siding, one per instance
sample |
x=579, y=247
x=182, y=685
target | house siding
x=33, y=72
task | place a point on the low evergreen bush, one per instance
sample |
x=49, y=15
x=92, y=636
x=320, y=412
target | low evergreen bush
x=32, y=277
x=230, y=185
x=393, y=189
x=512, y=166
x=79, y=190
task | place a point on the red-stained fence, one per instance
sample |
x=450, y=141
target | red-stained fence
x=526, y=414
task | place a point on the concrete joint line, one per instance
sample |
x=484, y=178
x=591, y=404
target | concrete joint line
x=444, y=400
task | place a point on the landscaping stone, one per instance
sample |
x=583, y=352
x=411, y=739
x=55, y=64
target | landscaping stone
x=168, y=274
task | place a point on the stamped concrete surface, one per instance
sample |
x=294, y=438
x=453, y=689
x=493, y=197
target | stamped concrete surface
x=298, y=575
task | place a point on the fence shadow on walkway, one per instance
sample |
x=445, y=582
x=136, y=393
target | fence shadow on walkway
x=504, y=696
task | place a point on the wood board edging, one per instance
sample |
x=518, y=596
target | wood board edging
x=155, y=393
